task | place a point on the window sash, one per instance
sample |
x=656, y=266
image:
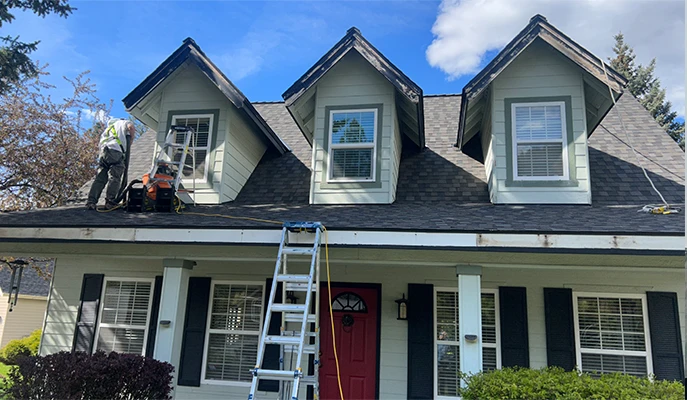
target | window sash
x=563, y=141
x=437, y=342
x=113, y=326
x=579, y=350
x=249, y=333
x=207, y=148
x=352, y=146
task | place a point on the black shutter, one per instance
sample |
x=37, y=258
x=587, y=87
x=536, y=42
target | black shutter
x=271, y=360
x=87, y=317
x=154, y=314
x=560, y=335
x=191, y=362
x=666, y=343
x=420, y=341
x=515, y=349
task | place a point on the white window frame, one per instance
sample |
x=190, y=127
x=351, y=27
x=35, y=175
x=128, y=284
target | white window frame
x=203, y=380
x=497, y=346
x=102, y=307
x=334, y=146
x=647, y=338
x=208, y=148
x=563, y=140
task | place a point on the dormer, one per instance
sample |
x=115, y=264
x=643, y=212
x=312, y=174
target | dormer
x=231, y=137
x=527, y=116
x=357, y=110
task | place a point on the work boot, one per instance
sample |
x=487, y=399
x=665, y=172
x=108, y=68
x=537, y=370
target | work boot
x=90, y=206
x=110, y=206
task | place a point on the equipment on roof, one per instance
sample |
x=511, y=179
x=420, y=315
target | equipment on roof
x=305, y=339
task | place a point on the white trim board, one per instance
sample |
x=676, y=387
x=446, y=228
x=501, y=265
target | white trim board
x=446, y=240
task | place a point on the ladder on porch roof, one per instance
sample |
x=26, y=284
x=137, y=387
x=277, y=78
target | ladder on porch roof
x=305, y=339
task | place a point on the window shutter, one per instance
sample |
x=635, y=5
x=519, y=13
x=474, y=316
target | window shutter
x=664, y=328
x=271, y=360
x=154, y=314
x=420, y=341
x=191, y=362
x=87, y=317
x=515, y=349
x=560, y=336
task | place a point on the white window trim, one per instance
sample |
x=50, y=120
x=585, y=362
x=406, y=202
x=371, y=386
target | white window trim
x=207, y=332
x=102, y=307
x=495, y=292
x=647, y=338
x=332, y=146
x=208, y=148
x=564, y=141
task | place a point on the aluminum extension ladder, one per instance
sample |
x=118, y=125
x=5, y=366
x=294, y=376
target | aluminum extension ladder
x=306, y=338
x=164, y=161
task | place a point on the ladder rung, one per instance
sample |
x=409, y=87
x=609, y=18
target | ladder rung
x=290, y=340
x=163, y=162
x=297, y=333
x=308, y=380
x=297, y=251
x=299, y=287
x=307, y=348
x=293, y=278
x=275, y=374
x=298, y=318
x=292, y=308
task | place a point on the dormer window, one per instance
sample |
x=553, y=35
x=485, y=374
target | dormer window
x=352, y=155
x=540, y=145
x=199, y=147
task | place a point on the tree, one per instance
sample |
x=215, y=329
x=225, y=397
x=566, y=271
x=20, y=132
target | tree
x=647, y=89
x=14, y=55
x=46, y=152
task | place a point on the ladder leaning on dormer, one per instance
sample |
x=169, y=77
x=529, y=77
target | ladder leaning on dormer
x=294, y=342
x=165, y=168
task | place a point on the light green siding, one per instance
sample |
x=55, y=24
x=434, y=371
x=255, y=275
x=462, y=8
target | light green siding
x=242, y=153
x=352, y=82
x=396, y=149
x=539, y=72
x=393, y=269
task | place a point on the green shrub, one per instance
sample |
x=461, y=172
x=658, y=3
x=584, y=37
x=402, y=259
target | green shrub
x=26, y=346
x=555, y=383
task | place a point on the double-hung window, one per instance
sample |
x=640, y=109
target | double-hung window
x=352, y=145
x=612, y=333
x=447, y=334
x=234, y=323
x=539, y=141
x=198, y=159
x=124, y=315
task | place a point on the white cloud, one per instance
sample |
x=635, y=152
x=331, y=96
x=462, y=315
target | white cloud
x=95, y=116
x=465, y=30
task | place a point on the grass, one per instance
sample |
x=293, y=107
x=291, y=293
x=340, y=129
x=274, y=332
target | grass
x=4, y=369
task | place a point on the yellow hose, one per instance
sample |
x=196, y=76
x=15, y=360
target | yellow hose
x=331, y=312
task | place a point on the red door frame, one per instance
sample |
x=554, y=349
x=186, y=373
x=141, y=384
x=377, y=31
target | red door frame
x=378, y=288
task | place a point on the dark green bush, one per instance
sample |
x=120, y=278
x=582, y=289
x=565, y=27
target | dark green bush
x=555, y=383
x=26, y=346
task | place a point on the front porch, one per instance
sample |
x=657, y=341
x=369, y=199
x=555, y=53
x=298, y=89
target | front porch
x=514, y=303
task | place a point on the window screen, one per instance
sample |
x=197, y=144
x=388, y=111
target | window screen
x=352, y=145
x=124, y=321
x=199, y=146
x=234, y=331
x=612, y=335
x=539, y=137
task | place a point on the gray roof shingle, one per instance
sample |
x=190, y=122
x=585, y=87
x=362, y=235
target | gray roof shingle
x=439, y=189
x=32, y=283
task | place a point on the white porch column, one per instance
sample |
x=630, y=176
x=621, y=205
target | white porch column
x=172, y=307
x=470, y=317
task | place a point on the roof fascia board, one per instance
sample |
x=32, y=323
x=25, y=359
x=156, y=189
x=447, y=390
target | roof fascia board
x=355, y=238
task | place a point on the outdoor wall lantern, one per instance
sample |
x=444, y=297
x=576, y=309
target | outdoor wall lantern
x=402, y=308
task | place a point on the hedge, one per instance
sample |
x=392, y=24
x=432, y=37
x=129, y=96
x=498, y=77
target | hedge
x=555, y=383
x=80, y=375
x=26, y=346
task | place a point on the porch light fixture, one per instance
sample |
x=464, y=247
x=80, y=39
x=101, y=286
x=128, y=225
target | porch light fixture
x=402, y=308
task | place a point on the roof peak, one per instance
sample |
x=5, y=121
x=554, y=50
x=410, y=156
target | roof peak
x=538, y=17
x=353, y=29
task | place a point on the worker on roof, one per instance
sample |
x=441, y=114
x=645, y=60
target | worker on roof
x=113, y=145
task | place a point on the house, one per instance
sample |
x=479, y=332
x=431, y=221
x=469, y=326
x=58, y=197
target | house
x=28, y=314
x=506, y=215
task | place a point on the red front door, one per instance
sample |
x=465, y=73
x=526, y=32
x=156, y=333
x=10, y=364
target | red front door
x=355, y=324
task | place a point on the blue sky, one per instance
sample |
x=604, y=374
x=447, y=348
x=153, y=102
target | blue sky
x=263, y=47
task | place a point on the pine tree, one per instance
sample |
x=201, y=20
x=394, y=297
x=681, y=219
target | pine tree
x=647, y=89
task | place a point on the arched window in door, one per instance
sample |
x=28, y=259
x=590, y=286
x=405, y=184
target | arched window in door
x=349, y=302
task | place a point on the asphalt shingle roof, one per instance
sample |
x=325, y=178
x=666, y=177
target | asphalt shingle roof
x=32, y=283
x=439, y=188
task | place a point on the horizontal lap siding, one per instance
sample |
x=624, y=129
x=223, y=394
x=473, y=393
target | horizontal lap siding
x=243, y=152
x=26, y=317
x=539, y=72
x=353, y=82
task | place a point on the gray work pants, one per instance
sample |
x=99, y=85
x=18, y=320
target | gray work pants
x=110, y=171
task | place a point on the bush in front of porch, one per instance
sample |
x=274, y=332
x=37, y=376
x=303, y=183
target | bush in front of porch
x=555, y=383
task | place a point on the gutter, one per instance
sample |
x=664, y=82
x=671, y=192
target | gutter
x=567, y=243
